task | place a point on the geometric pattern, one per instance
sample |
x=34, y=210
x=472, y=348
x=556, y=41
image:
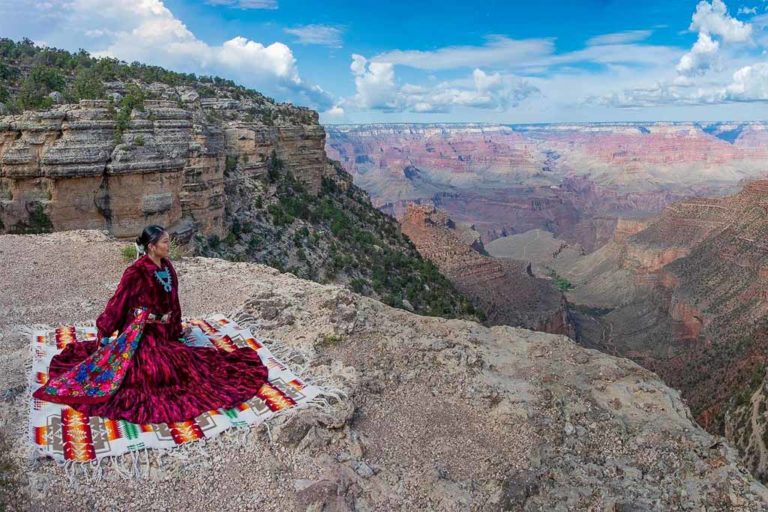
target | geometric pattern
x=60, y=432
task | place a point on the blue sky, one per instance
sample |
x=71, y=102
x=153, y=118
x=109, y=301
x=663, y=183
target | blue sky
x=448, y=61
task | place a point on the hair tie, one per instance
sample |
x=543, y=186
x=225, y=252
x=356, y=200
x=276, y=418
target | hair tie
x=139, y=250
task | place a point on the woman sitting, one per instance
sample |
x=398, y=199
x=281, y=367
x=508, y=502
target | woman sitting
x=148, y=375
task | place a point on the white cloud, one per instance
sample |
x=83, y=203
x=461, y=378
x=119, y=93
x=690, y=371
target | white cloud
x=701, y=58
x=750, y=83
x=375, y=84
x=147, y=31
x=336, y=112
x=713, y=19
x=485, y=82
x=497, y=50
x=705, y=74
x=747, y=10
x=377, y=89
x=246, y=4
x=630, y=36
x=317, y=34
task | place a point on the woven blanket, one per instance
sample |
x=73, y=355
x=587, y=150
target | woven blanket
x=60, y=432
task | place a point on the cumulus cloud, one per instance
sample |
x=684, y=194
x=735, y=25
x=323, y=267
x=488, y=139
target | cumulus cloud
x=375, y=84
x=713, y=19
x=317, y=34
x=377, y=89
x=700, y=58
x=750, y=83
x=705, y=74
x=246, y=4
x=147, y=31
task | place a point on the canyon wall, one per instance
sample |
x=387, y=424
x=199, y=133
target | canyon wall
x=687, y=297
x=576, y=181
x=72, y=166
x=504, y=290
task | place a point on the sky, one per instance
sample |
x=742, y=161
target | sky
x=395, y=61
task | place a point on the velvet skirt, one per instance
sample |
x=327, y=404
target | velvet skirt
x=165, y=380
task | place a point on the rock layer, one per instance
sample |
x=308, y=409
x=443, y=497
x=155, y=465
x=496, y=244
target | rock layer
x=572, y=180
x=503, y=289
x=71, y=167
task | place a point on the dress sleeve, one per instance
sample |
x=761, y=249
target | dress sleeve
x=175, y=319
x=115, y=312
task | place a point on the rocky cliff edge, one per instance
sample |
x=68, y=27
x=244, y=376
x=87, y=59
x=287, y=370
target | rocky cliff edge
x=441, y=414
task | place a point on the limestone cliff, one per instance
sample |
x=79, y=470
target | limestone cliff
x=65, y=168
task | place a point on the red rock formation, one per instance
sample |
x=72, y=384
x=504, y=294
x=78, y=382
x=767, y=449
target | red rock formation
x=702, y=265
x=573, y=180
x=503, y=289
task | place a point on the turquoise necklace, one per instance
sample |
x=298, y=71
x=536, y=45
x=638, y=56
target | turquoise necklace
x=165, y=279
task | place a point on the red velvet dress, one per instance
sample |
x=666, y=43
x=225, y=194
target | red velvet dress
x=165, y=380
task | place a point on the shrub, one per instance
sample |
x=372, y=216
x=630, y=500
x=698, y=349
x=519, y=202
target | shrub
x=133, y=99
x=329, y=340
x=279, y=216
x=41, y=81
x=230, y=164
x=87, y=85
x=128, y=252
x=37, y=222
x=274, y=167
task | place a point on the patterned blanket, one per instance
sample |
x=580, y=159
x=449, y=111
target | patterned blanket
x=66, y=435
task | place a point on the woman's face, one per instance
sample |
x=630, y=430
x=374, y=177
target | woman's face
x=162, y=248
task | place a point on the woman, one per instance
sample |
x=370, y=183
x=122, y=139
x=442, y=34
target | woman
x=148, y=375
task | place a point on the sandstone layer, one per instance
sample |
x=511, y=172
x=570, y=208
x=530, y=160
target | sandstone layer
x=440, y=414
x=74, y=167
x=573, y=180
x=504, y=290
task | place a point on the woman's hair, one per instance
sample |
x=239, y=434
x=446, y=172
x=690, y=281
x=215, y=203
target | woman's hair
x=150, y=235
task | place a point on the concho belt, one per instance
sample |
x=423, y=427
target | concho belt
x=155, y=318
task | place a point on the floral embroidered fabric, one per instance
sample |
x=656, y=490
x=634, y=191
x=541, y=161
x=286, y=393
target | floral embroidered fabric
x=98, y=377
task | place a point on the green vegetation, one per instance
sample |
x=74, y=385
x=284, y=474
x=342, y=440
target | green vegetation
x=337, y=236
x=87, y=85
x=561, y=283
x=176, y=252
x=274, y=167
x=133, y=99
x=329, y=340
x=230, y=164
x=28, y=73
x=38, y=222
x=742, y=398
